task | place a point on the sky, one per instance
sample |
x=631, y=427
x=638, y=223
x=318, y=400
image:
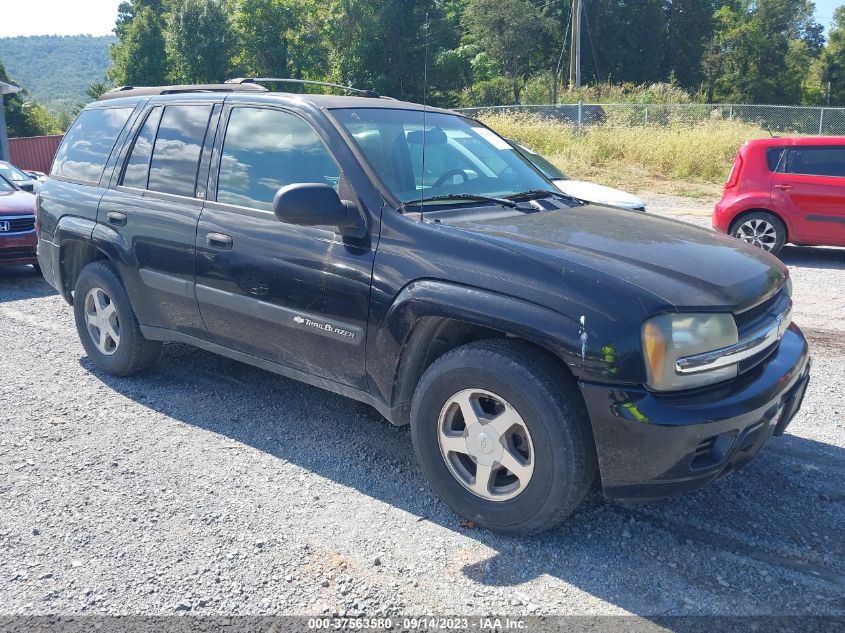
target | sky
x=97, y=17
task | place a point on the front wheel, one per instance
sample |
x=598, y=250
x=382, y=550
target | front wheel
x=503, y=437
x=761, y=229
x=106, y=324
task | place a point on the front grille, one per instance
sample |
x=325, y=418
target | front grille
x=751, y=316
x=19, y=224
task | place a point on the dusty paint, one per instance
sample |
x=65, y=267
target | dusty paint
x=583, y=332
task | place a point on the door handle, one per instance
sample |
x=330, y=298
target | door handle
x=783, y=187
x=219, y=240
x=116, y=218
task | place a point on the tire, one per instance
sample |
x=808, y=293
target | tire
x=559, y=449
x=124, y=351
x=761, y=229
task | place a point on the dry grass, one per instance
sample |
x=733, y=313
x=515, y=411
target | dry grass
x=691, y=161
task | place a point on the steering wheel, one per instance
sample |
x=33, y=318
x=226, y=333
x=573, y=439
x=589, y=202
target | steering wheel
x=451, y=174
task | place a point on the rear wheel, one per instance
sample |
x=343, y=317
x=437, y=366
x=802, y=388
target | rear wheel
x=106, y=324
x=503, y=436
x=761, y=229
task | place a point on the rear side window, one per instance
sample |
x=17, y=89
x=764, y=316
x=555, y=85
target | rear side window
x=265, y=150
x=816, y=161
x=773, y=157
x=138, y=168
x=176, y=153
x=88, y=143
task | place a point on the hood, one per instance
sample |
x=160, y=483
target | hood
x=600, y=194
x=685, y=266
x=17, y=203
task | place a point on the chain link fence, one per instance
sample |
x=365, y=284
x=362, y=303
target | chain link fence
x=775, y=118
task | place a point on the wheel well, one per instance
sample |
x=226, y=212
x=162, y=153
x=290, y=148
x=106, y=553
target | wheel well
x=76, y=255
x=430, y=339
x=739, y=216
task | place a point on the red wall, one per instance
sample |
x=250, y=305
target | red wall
x=35, y=152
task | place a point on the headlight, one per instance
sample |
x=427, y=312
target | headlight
x=789, y=285
x=669, y=337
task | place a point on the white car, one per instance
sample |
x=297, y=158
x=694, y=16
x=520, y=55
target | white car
x=586, y=191
x=23, y=180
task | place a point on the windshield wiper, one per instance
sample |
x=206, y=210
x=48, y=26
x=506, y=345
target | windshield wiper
x=534, y=194
x=469, y=197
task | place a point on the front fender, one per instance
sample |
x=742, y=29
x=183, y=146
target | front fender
x=566, y=337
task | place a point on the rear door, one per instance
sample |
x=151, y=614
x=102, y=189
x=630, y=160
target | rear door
x=293, y=295
x=154, y=209
x=810, y=186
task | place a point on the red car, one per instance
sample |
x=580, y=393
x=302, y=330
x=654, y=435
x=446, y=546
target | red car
x=17, y=226
x=786, y=190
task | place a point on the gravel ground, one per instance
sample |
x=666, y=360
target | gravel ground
x=209, y=487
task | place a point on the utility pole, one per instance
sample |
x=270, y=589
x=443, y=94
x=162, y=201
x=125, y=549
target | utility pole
x=575, y=51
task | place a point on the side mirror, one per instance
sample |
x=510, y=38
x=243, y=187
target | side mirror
x=315, y=204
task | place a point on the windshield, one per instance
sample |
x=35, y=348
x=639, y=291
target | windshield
x=13, y=173
x=6, y=186
x=461, y=156
x=549, y=170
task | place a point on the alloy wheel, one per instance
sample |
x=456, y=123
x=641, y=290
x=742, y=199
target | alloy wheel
x=102, y=321
x=757, y=232
x=486, y=444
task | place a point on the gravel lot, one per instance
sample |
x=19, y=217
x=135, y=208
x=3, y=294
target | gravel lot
x=207, y=486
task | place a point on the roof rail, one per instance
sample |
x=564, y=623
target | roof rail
x=146, y=91
x=283, y=80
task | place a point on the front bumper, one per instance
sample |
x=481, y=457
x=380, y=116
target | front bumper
x=18, y=249
x=651, y=446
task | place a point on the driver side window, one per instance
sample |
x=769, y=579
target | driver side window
x=267, y=149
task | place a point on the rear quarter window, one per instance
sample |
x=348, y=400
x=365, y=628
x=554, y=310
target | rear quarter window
x=773, y=157
x=86, y=146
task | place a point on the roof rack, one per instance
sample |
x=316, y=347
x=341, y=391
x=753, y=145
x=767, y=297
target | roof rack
x=245, y=81
x=146, y=91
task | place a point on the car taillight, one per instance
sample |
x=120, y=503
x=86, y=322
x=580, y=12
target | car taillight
x=733, y=177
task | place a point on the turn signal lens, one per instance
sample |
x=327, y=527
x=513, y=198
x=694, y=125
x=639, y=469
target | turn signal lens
x=655, y=349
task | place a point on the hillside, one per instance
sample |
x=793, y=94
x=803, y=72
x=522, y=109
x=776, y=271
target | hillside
x=56, y=70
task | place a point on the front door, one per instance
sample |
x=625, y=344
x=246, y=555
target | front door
x=293, y=295
x=810, y=184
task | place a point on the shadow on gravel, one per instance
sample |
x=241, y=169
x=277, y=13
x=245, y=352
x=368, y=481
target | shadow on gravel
x=767, y=540
x=22, y=282
x=813, y=257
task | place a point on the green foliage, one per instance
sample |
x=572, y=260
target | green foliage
x=831, y=68
x=510, y=31
x=139, y=57
x=25, y=118
x=56, y=71
x=200, y=41
x=472, y=52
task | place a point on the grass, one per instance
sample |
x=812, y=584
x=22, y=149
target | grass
x=690, y=161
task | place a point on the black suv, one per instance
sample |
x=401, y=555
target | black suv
x=409, y=258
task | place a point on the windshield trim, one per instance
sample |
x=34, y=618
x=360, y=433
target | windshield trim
x=387, y=195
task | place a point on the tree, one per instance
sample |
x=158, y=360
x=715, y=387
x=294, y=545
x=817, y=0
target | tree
x=264, y=29
x=510, y=31
x=761, y=51
x=382, y=43
x=199, y=40
x=628, y=38
x=689, y=27
x=25, y=118
x=832, y=62
x=139, y=57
